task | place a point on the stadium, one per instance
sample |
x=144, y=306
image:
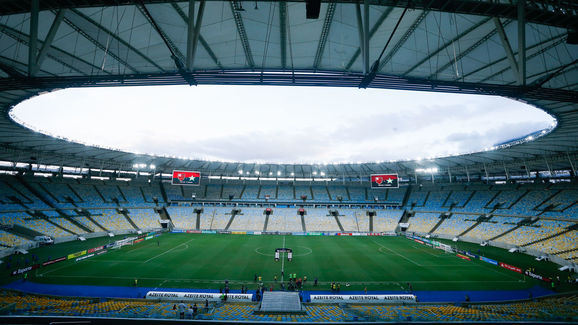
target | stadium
x=96, y=234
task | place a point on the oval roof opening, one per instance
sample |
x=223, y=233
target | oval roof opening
x=267, y=124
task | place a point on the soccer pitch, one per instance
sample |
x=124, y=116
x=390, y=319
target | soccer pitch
x=207, y=260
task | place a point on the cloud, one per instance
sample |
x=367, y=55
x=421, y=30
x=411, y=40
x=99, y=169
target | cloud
x=282, y=124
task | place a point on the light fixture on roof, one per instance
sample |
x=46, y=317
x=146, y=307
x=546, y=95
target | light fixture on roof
x=314, y=173
x=278, y=173
x=241, y=171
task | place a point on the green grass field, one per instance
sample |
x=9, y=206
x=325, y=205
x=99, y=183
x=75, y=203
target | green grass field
x=205, y=261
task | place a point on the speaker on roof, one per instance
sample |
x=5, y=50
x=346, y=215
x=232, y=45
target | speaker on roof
x=312, y=8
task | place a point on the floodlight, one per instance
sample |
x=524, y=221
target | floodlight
x=241, y=171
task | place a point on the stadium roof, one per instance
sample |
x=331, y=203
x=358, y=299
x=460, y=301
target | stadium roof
x=459, y=46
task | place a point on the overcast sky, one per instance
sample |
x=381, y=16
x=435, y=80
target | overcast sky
x=281, y=124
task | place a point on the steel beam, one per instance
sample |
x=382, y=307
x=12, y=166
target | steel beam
x=176, y=54
x=546, y=12
x=33, y=43
x=242, y=33
x=202, y=40
x=521, y=42
x=47, y=44
x=324, y=35
x=506, y=46
x=467, y=51
x=366, y=35
x=409, y=31
x=361, y=31
x=557, y=40
x=74, y=17
x=447, y=44
x=283, y=32
x=372, y=32
x=193, y=33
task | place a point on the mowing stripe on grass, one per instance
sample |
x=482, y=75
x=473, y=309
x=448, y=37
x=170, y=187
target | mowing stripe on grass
x=170, y=250
x=283, y=261
x=396, y=253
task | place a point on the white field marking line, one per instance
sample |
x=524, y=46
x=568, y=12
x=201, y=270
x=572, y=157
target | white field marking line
x=264, y=254
x=440, y=265
x=112, y=261
x=243, y=281
x=496, y=271
x=396, y=253
x=56, y=269
x=139, y=247
x=160, y=285
x=170, y=250
x=425, y=250
x=283, y=261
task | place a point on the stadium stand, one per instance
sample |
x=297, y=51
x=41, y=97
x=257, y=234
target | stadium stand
x=144, y=219
x=348, y=220
x=285, y=220
x=286, y=193
x=477, y=203
x=320, y=220
x=269, y=191
x=455, y=225
x=249, y=219
x=111, y=219
x=489, y=229
x=423, y=222
x=182, y=217
x=535, y=231
x=562, y=308
x=386, y=220
x=10, y=240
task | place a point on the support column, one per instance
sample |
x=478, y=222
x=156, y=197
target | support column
x=521, y=42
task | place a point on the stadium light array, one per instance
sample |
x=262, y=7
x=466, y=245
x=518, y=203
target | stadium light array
x=432, y=170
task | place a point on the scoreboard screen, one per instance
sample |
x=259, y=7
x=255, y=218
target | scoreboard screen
x=182, y=177
x=384, y=181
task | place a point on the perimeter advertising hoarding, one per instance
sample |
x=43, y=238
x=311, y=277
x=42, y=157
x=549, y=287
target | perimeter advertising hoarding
x=384, y=181
x=183, y=177
x=197, y=296
x=380, y=299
